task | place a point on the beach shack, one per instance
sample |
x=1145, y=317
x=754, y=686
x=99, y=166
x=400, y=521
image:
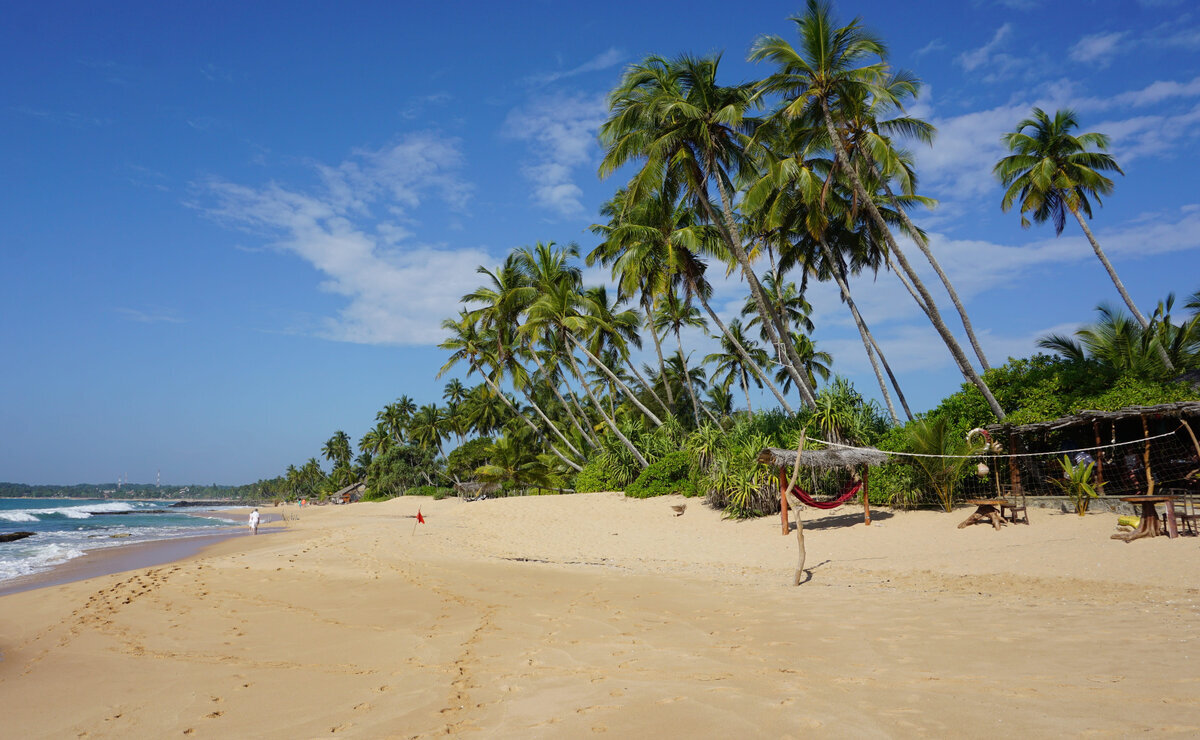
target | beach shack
x=856, y=461
x=350, y=493
x=473, y=490
x=1135, y=449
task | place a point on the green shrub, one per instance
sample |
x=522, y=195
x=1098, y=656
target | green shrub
x=670, y=474
x=437, y=492
x=594, y=477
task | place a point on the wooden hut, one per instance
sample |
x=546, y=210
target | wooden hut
x=474, y=489
x=1111, y=430
x=350, y=493
x=857, y=459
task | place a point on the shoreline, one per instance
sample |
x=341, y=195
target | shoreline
x=122, y=558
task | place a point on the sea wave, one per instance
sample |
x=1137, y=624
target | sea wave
x=23, y=561
x=83, y=511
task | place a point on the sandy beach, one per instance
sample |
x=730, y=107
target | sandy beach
x=570, y=616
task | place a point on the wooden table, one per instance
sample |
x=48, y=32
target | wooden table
x=1151, y=525
x=988, y=510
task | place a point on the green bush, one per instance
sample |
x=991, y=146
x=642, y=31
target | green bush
x=437, y=492
x=594, y=477
x=670, y=474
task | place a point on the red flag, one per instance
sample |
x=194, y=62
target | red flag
x=420, y=519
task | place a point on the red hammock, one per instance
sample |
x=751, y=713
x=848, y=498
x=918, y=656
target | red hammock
x=853, y=488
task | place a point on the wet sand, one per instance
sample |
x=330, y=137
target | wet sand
x=573, y=616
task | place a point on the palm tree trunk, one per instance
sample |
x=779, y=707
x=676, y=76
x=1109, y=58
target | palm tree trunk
x=840, y=278
x=687, y=381
x=746, y=389
x=758, y=371
x=1112, y=273
x=924, y=247
x=649, y=388
x=566, y=409
x=611, y=423
x=891, y=376
x=934, y=316
x=662, y=365
x=604, y=368
x=783, y=349
x=553, y=427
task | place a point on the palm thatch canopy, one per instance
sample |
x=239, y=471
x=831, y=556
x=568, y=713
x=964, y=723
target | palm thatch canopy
x=1178, y=410
x=828, y=459
x=471, y=489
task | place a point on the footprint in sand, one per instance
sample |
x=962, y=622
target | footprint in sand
x=214, y=715
x=364, y=707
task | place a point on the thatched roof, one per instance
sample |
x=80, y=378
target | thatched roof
x=358, y=487
x=828, y=459
x=1168, y=410
x=475, y=488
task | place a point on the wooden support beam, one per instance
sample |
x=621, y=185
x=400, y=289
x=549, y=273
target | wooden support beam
x=1146, y=458
x=866, y=497
x=783, y=502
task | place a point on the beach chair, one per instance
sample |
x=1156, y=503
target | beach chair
x=1014, y=510
x=1185, y=510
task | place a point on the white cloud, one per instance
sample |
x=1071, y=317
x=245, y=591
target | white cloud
x=989, y=56
x=1148, y=135
x=350, y=230
x=1096, y=48
x=608, y=58
x=561, y=130
x=149, y=317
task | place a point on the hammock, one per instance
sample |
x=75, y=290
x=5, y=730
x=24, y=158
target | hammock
x=850, y=492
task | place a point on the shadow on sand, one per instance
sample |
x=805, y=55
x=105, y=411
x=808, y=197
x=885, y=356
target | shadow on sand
x=840, y=520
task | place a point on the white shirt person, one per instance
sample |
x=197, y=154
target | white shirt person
x=253, y=523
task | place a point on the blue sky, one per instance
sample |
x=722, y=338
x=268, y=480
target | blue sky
x=230, y=229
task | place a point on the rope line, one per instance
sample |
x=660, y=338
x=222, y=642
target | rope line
x=992, y=454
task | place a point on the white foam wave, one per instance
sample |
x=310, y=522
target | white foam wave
x=35, y=558
x=18, y=516
x=83, y=511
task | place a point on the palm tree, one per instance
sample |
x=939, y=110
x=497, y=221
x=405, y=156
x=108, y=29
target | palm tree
x=1122, y=346
x=395, y=416
x=427, y=427
x=686, y=129
x=554, y=312
x=675, y=315
x=337, y=449
x=469, y=344
x=1051, y=171
x=815, y=80
x=657, y=242
x=730, y=362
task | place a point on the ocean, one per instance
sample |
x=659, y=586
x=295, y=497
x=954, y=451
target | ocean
x=65, y=529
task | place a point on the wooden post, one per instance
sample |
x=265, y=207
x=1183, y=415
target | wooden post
x=1099, y=455
x=783, y=502
x=1014, y=471
x=1146, y=457
x=866, y=497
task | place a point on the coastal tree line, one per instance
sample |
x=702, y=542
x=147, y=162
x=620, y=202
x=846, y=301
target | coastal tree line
x=804, y=175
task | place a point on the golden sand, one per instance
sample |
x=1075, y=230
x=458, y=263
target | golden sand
x=573, y=616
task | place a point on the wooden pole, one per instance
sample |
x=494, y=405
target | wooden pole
x=783, y=502
x=1146, y=457
x=1099, y=455
x=1013, y=470
x=866, y=497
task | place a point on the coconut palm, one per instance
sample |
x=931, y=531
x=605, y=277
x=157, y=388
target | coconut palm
x=1051, y=171
x=830, y=67
x=427, y=427
x=555, y=313
x=685, y=129
x=395, y=417
x=730, y=363
x=674, y=315
x=1121, y=345
x=658, y=243
x=337, y=449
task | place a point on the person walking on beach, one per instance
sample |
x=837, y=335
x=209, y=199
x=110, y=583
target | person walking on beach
x=253, y=522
